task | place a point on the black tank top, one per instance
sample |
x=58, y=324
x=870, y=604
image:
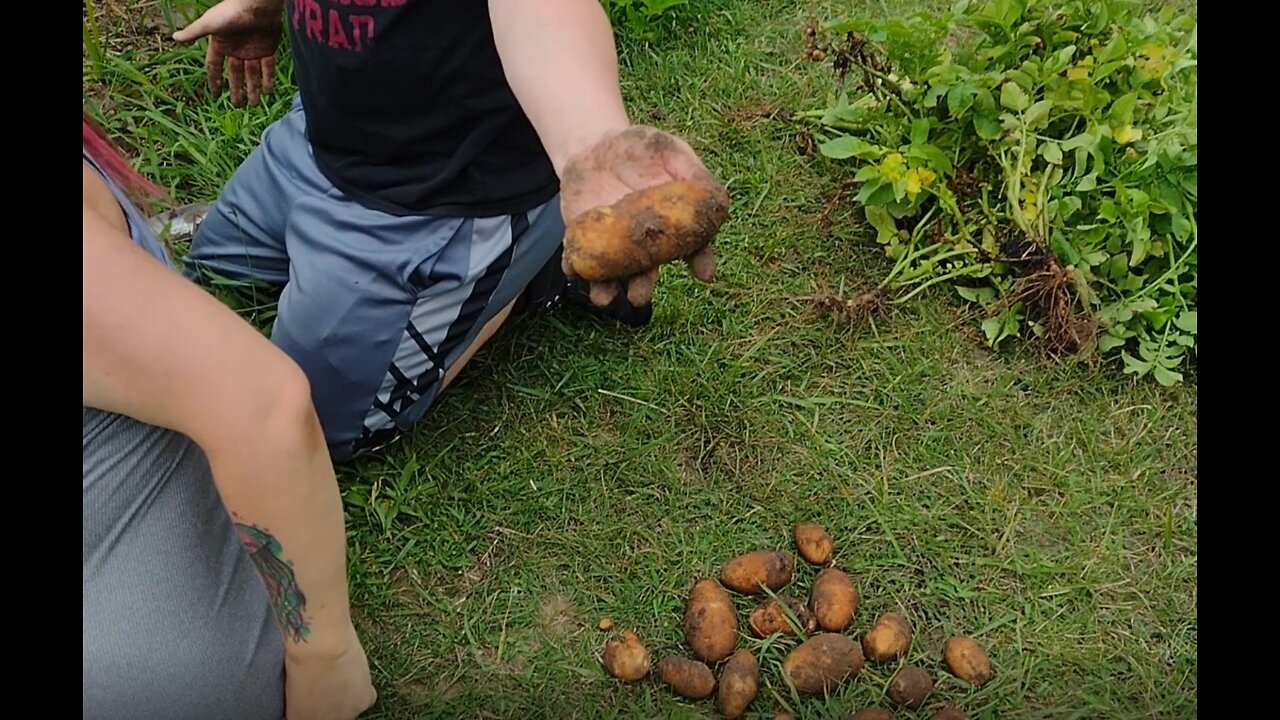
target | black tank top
x=409, y=111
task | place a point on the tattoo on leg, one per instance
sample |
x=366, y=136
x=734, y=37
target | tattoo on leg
x=287, y=600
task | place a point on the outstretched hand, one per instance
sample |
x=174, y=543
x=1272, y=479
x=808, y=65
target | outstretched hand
x=636, y=158
x=243, y=36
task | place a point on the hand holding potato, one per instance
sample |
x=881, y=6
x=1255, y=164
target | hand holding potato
x=636, y=200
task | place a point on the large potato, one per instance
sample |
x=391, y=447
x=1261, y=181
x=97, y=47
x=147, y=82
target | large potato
x=833, y=600
x=910, y=687
x=739, y=683
x=747, y=573
x=814, y=543
x=966, y=659
x=628, y=660
x=888, y=639
x=688, y=678
x=645, y=229
x=823, y=662
x=710, y=622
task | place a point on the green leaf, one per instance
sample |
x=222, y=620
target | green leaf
x=1186, y=321
x=1138, y=252
x=847, y=146
x=1038, y=113
x=935, y=92
x=1109, y=342
x=980, y=295
x=886, y=229
x=1083, y=140
x=1060, y=61
x=1181, y=227
x=959, y=100
x=1087, y=183
x=1167, y=378
x=1114, y=50
x=984, y=102
x=932, y=155
x=1051, y=152
x=1108, y=211
x=1023, y=79
x=987, y=126
x=876, y=192
x=1068, y=206
x=1105, y=69
x=1065, y=251
x=1122, y=109
x=991, y=327
x=1135, y=366
x=1014, y=97
x=920, y=131
x=1190, y=183
x=868, y=173
x=1095, y=258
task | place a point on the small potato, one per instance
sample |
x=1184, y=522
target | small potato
x=606, y=624
x=949, y=712
x=739, y=683
x=833, y=600
x=688, y=678
x=822, y=662
x=888, y=639
x=966, y=659
x=710, y=622
x=746, y=573
x=910, y=687
x=645, y=229
x=871, y=713
x=814, y=543
x=628, y=660
x=769, y=617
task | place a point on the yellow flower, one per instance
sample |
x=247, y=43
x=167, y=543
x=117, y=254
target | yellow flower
x=1128, y=134
x=918, y=178
x=892, y=167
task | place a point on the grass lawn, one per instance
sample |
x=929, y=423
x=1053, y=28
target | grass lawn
x=579, y=470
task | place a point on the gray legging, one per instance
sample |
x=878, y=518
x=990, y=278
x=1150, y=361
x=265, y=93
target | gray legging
x=176, y=618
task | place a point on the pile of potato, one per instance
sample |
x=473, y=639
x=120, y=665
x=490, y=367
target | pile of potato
x=827, y=657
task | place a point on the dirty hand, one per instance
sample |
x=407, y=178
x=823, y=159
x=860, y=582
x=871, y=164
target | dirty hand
x=243, y=34
x=636, y=158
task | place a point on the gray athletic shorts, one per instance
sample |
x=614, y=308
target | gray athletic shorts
x=375, y=308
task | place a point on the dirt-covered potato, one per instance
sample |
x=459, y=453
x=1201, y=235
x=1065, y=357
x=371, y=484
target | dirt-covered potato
x=871, y=713
x=949, y=712
x=822, y=662
x=888, y=639
x=746, y=573
x=814, y=543
x=966, y=659
x=645, y=229
x=770, y=617
x=628, y=660
x=739, y=683
x=710, y=622
x=833, y=600
x=688, y=678
x=910, y=687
